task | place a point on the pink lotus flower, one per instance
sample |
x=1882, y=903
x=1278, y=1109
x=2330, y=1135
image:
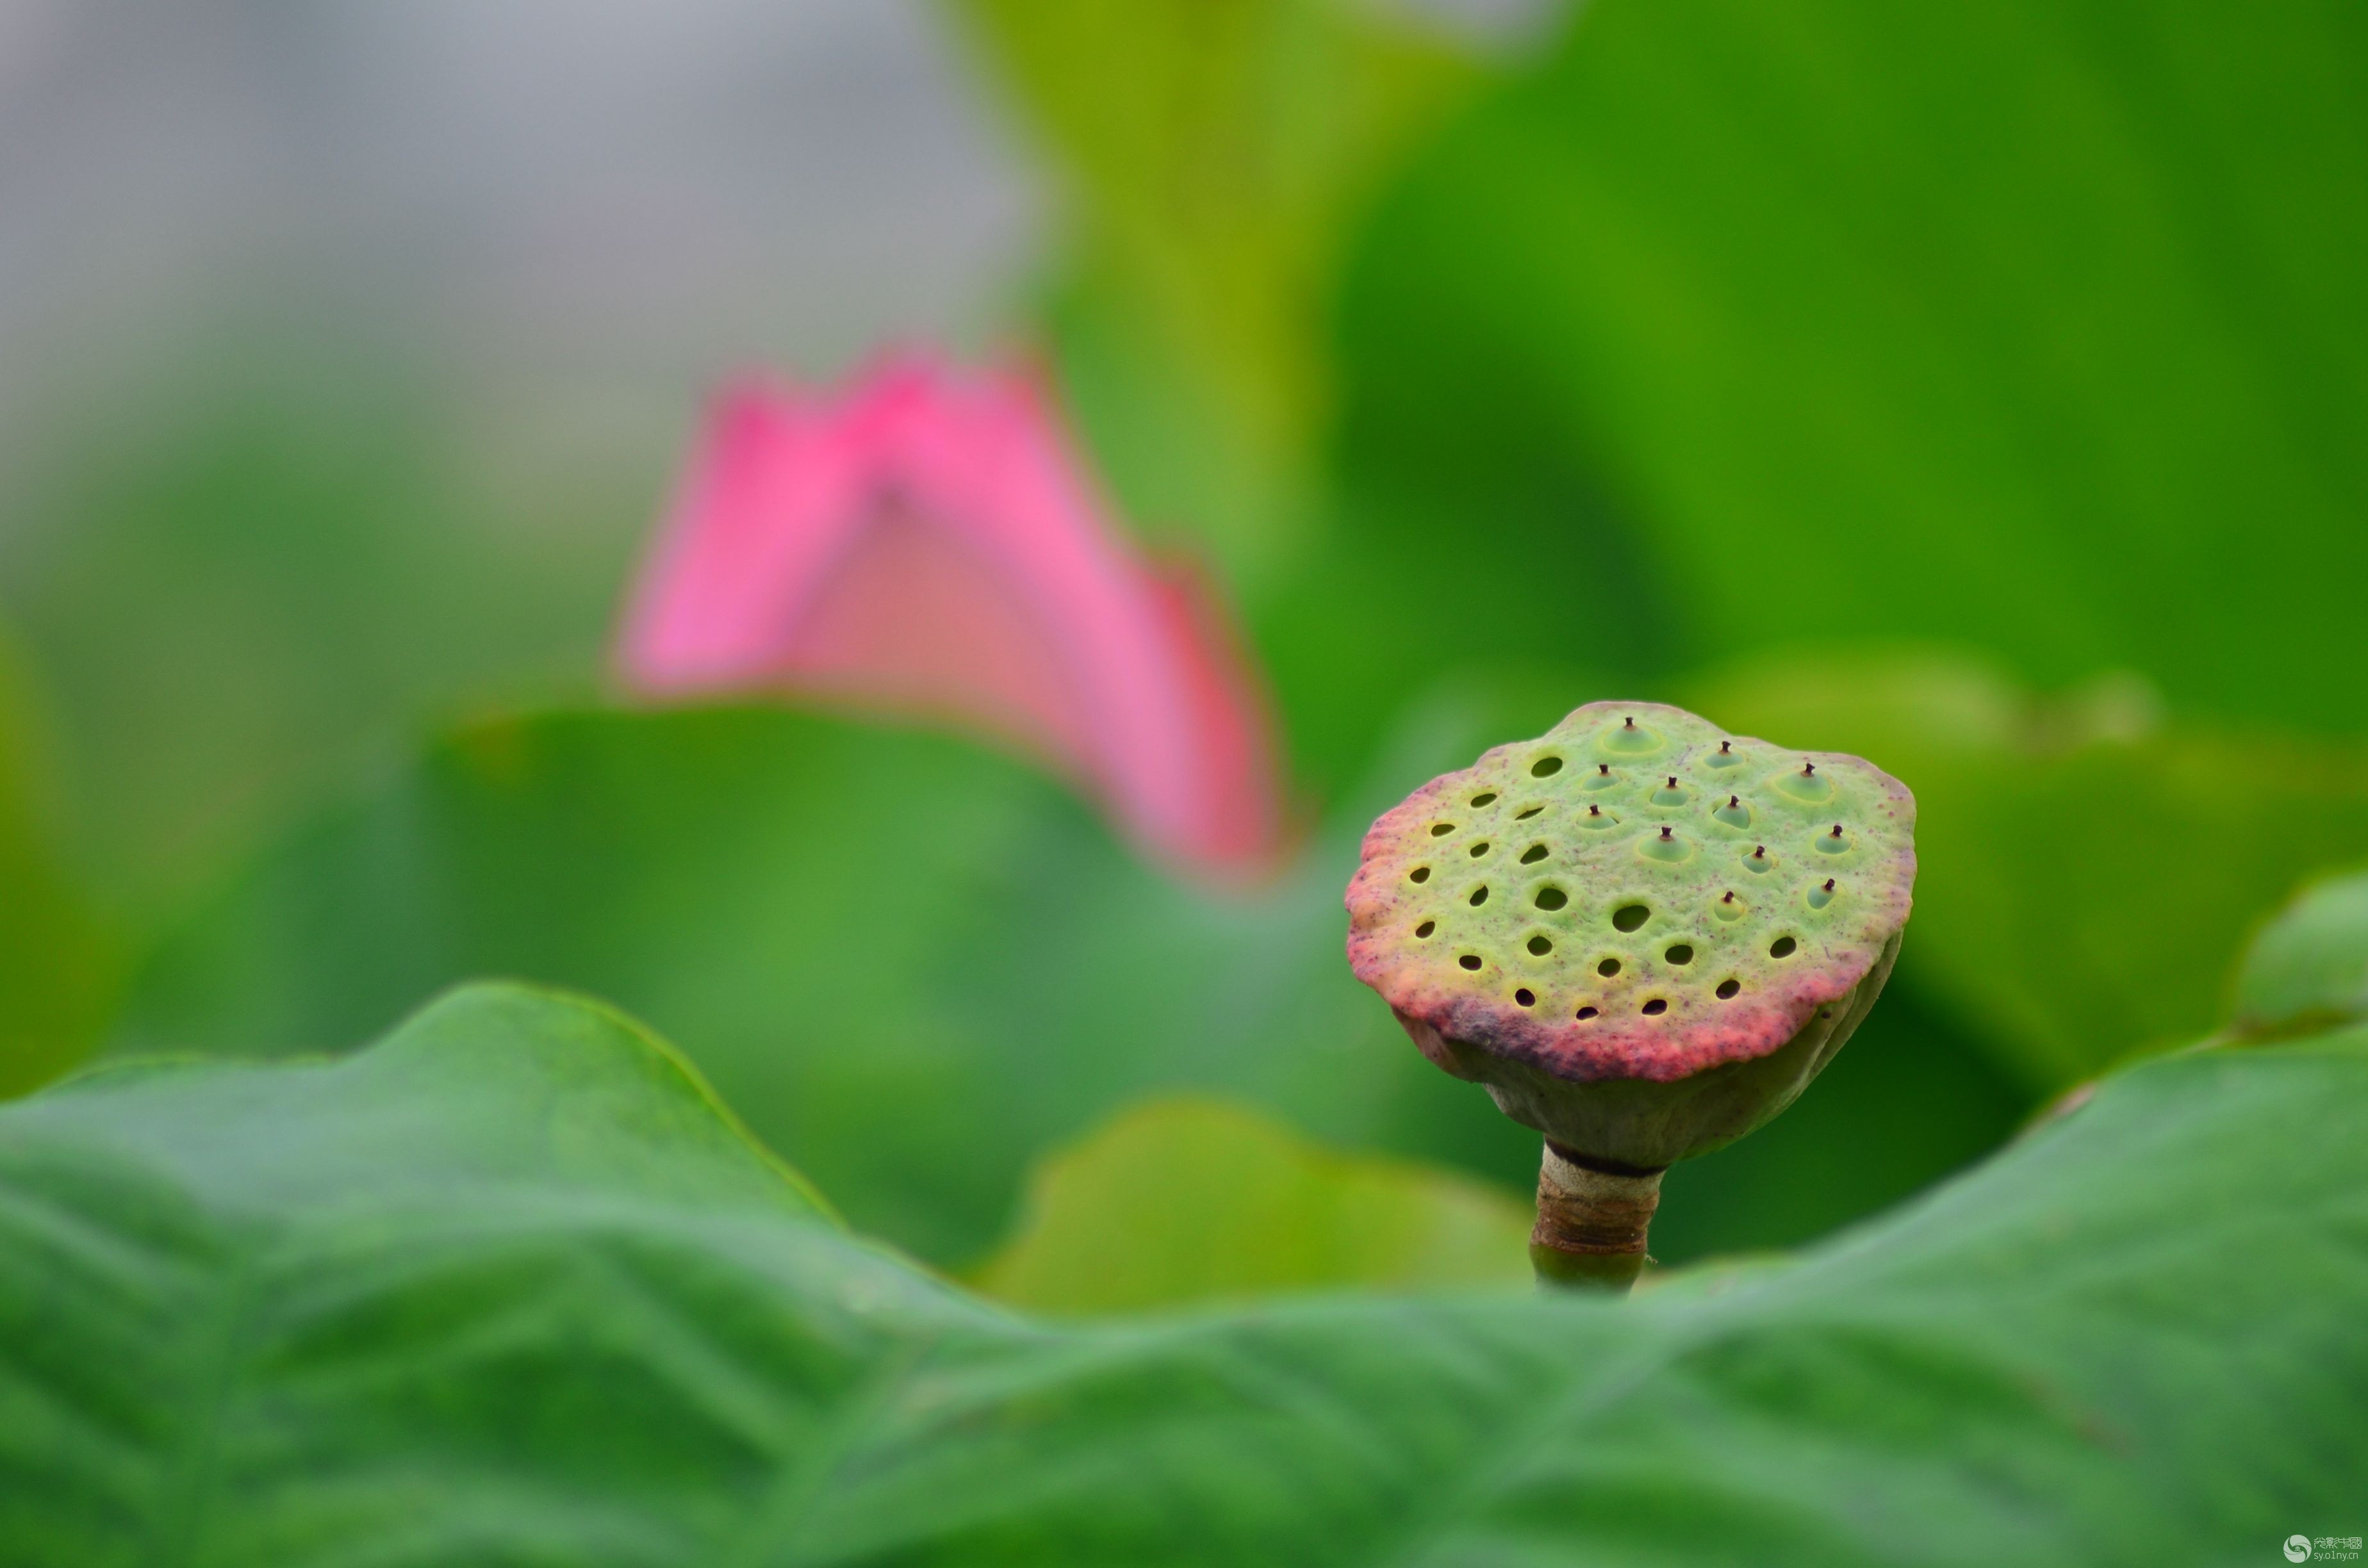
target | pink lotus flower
x=927, y=542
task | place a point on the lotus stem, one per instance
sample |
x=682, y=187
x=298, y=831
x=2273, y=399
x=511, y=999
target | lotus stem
x=1591, y=1221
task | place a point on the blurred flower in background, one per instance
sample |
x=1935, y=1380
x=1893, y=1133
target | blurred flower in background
x=925, y=542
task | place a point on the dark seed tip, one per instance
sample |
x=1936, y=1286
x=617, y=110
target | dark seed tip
x=1829, y=884
x=1665, y=832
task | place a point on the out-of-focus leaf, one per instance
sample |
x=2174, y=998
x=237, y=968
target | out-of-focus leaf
x=1214, y=152
x=1197, y=1200
x=2085, y=870
x=250, y=575
x=2308, y=968
x=58, y=958
x=508, y=1288
x=914, y=967
x=2022, y=325
x=912, y=963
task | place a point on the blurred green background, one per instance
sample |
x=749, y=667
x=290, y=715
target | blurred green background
x=1979, y=391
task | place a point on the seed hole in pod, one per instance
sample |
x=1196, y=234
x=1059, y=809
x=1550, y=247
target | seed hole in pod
x=1727, y=988
x=1821, y=896
x=1479, y=849
x=1656, y=1007
x=1734, y=814
x=1470, y=961
x=1724, y=757
x=1782, y=948
x=1729, y=908
x=1419, y=874
x=1486, y=797
x=1833, y=843
x=1596, y=819
x=1679, y=954
x=1669, y=795
x=1526, y=997
x=1426, y=928
x=1586, y=1012
x=1533, y=854
x=1545, y=767
x=1480, y=895
x=1524, y=817
x=1628, y=917
x=1608, y=968
x=1602, y=778
x=1441, y=829
x=1551, y=898
x=1540, y=946
x=1758, y=861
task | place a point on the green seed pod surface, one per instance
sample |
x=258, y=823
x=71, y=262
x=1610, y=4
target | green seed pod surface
x=1636, y=898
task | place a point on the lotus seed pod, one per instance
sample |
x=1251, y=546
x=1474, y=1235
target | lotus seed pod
x=1643, y=935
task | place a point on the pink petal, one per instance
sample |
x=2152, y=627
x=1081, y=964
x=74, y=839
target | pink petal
x=927, y=543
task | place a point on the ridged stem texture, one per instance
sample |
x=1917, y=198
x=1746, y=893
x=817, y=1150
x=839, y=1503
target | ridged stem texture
x=1592, y=1222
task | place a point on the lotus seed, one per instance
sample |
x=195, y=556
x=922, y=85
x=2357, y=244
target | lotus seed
x=1669, y=848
